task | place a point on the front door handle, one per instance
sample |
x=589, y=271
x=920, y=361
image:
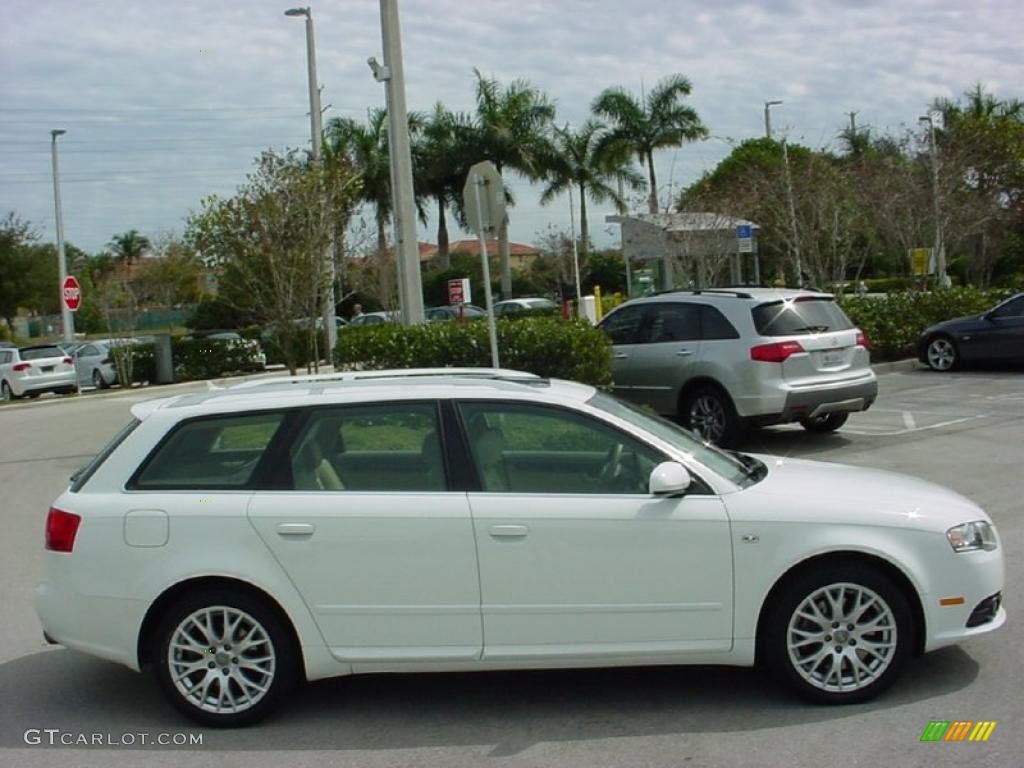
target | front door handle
x=509, y=531
x=620, y=356
x=295, y=529
x=684, y=352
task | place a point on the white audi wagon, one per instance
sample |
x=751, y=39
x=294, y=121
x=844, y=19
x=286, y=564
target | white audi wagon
x=240, y=541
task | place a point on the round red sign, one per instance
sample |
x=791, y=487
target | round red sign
x=71, y=293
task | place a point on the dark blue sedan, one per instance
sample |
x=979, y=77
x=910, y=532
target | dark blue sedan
x=993, y=336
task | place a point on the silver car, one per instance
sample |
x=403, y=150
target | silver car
x=720, y=360
x=30, y=371
x=94, y=362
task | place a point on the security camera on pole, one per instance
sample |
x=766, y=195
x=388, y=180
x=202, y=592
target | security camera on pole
x=484, y=201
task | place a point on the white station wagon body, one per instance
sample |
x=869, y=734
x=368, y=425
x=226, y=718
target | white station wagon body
x=465, y=525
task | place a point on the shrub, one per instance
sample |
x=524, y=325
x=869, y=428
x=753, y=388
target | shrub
x=542, y=345
x=209, y=358
x=894, y=322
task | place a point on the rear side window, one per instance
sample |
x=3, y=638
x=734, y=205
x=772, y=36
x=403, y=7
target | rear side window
x=714, y=326
x=40, y=353
x=800, y=316
x=675, y=322
x=218, y=453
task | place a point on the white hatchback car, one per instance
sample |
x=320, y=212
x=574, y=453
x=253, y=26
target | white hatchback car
x=32, y=370
x=239, y=541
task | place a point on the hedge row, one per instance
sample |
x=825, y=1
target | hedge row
x=546, y=346
x=894, y=322
x=194, y=359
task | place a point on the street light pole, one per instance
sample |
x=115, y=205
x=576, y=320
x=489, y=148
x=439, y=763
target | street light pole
x=407, y=257
x=940, y=244
x=768, y=117
x=67, y=320
x=316, y=134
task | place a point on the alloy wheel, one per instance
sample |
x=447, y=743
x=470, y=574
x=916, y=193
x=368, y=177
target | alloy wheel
x=221, y=660
x=941, y=354
x=842, y=637
x=707, y=416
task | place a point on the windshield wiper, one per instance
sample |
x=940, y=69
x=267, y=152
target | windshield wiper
x=753, y=468
x=811, y=329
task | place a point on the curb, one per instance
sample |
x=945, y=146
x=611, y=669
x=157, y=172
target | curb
x=897, y=366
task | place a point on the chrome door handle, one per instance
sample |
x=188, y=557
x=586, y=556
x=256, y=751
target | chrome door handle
x=509, y=531
x=684, y=352
x=295, y=529
x=620, y=356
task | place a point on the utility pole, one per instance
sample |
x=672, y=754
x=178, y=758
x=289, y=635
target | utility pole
x=791, y=205
x=768, y=117
x=407, y=257
x=316, y=134
x=853, y=123
x=940, y=244
x=67, y=320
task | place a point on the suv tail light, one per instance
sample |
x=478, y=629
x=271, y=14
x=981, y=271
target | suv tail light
x=862, y=340
x=776, y=352
x=61, y=529
x=19, y=367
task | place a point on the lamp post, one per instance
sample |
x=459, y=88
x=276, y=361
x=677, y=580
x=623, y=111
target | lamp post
x=768, y=117
x=940, y=245
x=316, y=134
x=392, y=74
x=67, y=320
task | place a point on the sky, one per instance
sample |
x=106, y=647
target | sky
x=165, y=103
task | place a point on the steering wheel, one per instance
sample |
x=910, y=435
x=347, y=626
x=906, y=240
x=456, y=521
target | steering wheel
x=612, y=468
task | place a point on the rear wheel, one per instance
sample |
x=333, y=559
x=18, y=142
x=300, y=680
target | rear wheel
x=224, y=658
x=838, y=634
x=709, y=412
x=98, y=380
x=6, y=393
x=828, y=422
x=942, y=354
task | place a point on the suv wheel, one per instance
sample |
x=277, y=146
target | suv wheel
x=709, y=412
x=838, y=634
x=224, y=658
x=828, y=422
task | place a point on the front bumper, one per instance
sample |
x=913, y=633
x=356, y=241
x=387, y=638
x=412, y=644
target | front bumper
x=978, y=578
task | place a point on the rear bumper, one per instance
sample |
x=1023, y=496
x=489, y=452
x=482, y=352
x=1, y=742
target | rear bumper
x=843, y=397
x=51, y=382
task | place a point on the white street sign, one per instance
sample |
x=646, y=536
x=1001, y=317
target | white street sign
x=485, y=211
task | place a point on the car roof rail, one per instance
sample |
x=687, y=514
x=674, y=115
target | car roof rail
x=724, y=292
x=498, y=374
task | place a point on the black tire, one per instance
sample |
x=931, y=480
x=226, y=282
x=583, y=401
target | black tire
x=280, y=674
x=97, y=379
x=6, y=393
x=33, y=395
x=830, y=422
x=708, y=411
x=942, y=354
x=890, y=641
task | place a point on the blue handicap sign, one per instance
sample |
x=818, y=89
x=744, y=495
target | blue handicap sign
x=744, y=232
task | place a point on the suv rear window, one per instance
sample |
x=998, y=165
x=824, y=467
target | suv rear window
x=41, y=353
x=791, y=317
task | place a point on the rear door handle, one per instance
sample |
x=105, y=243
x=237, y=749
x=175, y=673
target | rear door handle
x=684, y=352
x=509, y=531
x=295, y=529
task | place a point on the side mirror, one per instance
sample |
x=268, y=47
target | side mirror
x=669, y=478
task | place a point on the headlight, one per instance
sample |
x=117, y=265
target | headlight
x=968, y=537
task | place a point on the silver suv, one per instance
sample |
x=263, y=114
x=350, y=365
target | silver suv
x=722, y=359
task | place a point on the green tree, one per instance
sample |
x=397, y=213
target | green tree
x=511, y=130
x=579, y=159
x=654, y=121
x=15, y=235
x=129, y=247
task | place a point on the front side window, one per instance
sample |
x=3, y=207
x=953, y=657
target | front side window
x=215, y=453
x=522, y=448
x=1012, y=308
x=379, y=447
x=623, y=325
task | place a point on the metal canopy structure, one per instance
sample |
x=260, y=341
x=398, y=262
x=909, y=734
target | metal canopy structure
x=689, y=249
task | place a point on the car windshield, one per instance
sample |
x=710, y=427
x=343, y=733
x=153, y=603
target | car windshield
x=803, y=315
x=41, y=353
x=738, y=469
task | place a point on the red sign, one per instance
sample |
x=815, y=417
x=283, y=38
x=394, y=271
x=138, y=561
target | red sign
x=456, y=294
x=71, y=293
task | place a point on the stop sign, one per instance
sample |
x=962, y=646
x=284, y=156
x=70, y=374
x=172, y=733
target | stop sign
x=71, y=293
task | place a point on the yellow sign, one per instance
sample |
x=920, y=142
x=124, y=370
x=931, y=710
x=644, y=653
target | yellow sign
x=920, y=260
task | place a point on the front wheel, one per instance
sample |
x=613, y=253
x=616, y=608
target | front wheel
x=838, y=634
x=828, y=422
x=942, y=354
x=224, y=659
x=709, y=413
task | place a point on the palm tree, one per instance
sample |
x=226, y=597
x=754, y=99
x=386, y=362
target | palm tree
x=655, y=121
x=581, y=160
x=129, y=247
x=511, y=131
x=441, y=161
x=366, y=147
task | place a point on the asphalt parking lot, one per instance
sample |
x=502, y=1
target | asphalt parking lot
x=963, y=430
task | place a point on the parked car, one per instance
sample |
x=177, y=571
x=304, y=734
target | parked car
x=257, y=357
x=720, y=360
x=538, y=305
x=94, y=362
x=373, y=318
x=32, y=370
x=447, y=314
x=993, y=336
x=7, y=344
x=238, y=541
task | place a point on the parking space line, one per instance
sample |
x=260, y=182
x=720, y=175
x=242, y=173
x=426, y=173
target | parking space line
x=906, y=431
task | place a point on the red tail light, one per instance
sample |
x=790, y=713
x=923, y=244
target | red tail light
x=862, y=340
x=775, y=353
x=61, y=529
x=67, y=361
x=18, y=367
